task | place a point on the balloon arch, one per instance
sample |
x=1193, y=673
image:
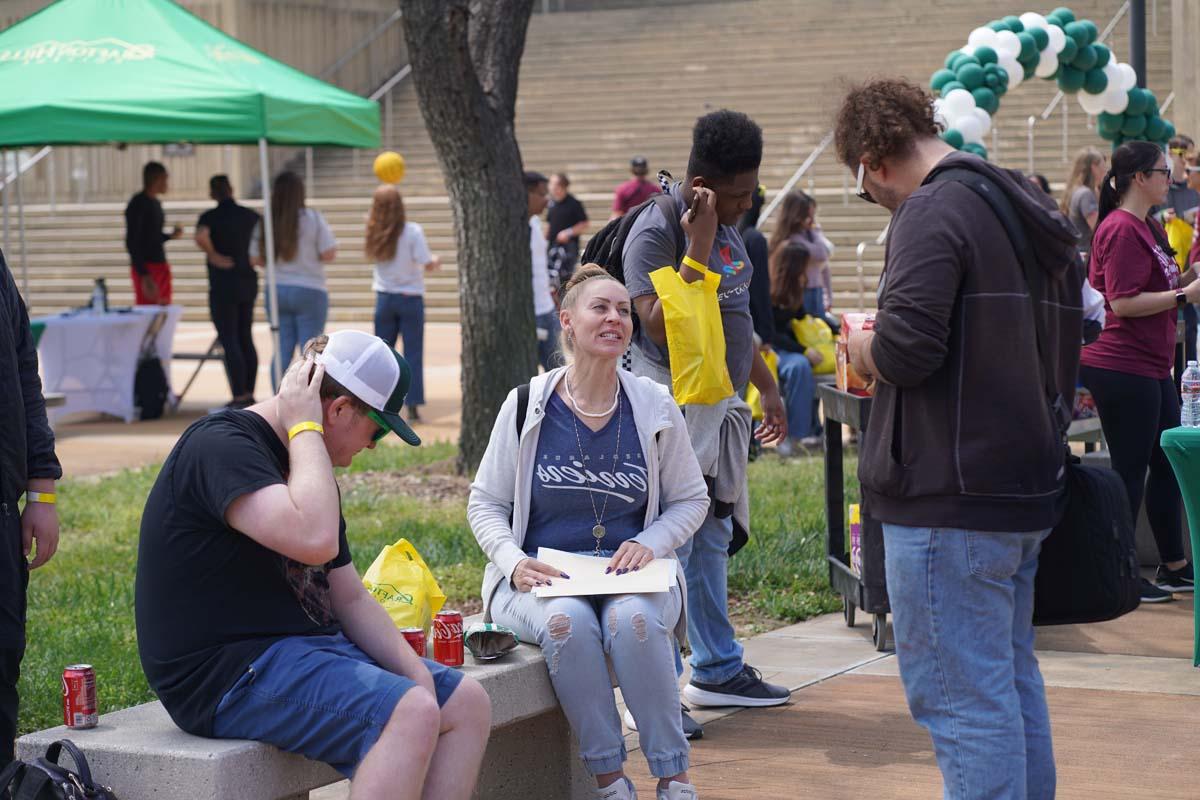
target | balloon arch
x=1001, y=55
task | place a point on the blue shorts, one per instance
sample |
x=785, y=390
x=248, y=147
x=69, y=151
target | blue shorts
x=321, y=697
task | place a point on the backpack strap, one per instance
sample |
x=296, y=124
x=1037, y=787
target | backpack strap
x=666, y=205
x=81, y=765
x=9, y=774
x=522, y=407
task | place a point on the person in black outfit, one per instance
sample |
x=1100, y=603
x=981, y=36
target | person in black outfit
x=28, y=467
x=144, y=239
x=223, y=233
x=567, y=220
x=760, y=281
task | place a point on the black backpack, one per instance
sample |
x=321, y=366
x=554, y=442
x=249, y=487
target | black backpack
x=44, y=779
x=150, y=381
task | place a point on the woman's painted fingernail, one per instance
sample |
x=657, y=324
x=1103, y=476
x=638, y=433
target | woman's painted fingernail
x=622, y=571
x=607, y=570
x=565, y=575
x=635, y=569
x=548, y=583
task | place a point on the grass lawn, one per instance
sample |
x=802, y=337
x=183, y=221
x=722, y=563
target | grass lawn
x=81, y=603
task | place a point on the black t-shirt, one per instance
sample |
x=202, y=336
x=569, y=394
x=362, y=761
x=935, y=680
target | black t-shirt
x=144, y=235
x=561, y=216
x=230, y=227
x=208, y=599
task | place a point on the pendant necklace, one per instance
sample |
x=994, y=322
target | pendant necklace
x=598, y=531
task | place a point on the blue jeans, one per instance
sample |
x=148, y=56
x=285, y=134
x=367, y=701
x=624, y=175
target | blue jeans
x=799, y=390
x=635, y=631
x=716, y=653
x=549, y=355
x=814, y=305
x=403, y=315
x=962, y=607
x=302, y=313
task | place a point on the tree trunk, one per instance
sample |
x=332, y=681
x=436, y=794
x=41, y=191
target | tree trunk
x=465, y=57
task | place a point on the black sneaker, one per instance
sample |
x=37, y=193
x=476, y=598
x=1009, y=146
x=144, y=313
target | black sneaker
x=1153, y=594
x=1175, y=580
x=691, y=728
x=746, y=689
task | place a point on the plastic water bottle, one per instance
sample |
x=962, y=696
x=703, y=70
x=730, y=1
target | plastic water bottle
x=1190, y=391
x=100, y=297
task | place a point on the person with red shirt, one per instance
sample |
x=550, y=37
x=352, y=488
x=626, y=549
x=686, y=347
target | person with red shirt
x=635, y=191
x=1128, y=369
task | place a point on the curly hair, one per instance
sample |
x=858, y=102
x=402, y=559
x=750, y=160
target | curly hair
x=883, y=118
x=724, y=144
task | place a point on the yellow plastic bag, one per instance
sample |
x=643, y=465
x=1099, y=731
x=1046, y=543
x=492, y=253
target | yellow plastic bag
x=402, y=583
x=695, y=337
x=813, y=332
x=1179, y=235
x=753, y=398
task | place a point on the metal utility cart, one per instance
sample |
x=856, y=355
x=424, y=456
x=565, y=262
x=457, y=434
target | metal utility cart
x=869, y=590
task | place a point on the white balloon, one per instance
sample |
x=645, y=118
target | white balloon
x=1047, y=63
x=939, y=113
x=982, y=36
x=1007, y=42
x=959, y=102
x=1128, y=77
x=1058, y=39
x=1014, y=70
x=1116, y=100
x=971, y=129
x=1112, y=71
x=985, y=120
x=1031, y=19
x=1092, y=103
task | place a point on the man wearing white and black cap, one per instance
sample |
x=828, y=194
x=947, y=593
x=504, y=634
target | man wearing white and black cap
x=252, y=621
x=635, y=191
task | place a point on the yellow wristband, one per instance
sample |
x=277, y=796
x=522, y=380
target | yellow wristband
x=688, y=261
x=301, y=427
x=49, y=498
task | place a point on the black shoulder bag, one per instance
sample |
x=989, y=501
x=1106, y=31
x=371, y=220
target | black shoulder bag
x=44, y=779
x=1088, y=567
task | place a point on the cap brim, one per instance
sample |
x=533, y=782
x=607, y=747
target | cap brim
x=400, y=427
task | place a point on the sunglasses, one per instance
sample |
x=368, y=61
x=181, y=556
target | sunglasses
x=383, y=431
x=1163, y=170
x=859, y=191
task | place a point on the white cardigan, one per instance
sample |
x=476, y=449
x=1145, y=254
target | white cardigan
x=676, y=500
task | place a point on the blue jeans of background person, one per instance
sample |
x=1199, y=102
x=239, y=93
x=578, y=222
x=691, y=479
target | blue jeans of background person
x=403, y=315
x=799, y=389
x=549, y=355
x=636, y=632
x=814, y=305
x=962, y=607
x=716, y=653
x=302, y=313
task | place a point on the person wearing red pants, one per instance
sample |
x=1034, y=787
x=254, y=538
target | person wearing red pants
x=144, y=239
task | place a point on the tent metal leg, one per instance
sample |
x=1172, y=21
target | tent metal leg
x=21, y=236
x=269, y=241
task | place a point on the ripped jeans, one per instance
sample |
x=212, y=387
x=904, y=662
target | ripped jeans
x=636, y=631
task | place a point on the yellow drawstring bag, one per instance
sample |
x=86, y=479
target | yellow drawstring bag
x=403, y=584
x=753, y=398
x=695, y=336
x=1179, y=235
x=813, y=332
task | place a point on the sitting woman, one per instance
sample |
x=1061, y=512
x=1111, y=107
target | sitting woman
x=602, y=466
x=789, y=285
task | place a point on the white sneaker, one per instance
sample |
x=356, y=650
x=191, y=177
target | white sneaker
x=678, y=791
x=623, y=790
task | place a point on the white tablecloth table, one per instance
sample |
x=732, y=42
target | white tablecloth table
x=91, y=358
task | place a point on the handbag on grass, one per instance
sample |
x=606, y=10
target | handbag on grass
x=44, y=779
x=1088, y=567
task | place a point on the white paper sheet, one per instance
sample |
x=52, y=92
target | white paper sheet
x=588, y=578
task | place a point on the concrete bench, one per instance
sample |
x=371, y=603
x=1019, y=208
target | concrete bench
x=142, y=754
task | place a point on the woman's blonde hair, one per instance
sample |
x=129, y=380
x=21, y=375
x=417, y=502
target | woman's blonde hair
x=573, y=289
x=1081, y=175
x=384, y=224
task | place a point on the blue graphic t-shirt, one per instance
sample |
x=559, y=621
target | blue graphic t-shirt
x=566, y=482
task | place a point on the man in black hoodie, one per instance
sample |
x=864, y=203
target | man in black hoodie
x=962, y=461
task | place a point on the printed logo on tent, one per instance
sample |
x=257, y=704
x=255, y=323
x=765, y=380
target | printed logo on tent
x=224, y=54
x=97, y=51
x=730, y=267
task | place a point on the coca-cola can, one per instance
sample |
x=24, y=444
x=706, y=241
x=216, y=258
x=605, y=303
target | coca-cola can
x=416, y=638
x=79, y=696
x=448, y=638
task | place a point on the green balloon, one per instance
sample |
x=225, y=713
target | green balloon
x=1001, y=89
x=940, y=79
x=1070, y=80
x=951, y=86
x=1052, y=19
x=991, y=81
x=1028, y=45
x=1014, y=23
x=1064, y=13
x=986, y=55
x=1093, y=31
x=1138, y=103
x=1135, y=125
x=1077, y=31
x=1155, y=128
x=986, y=99
x=1085, y=59
x=971, y=75
x=1069, y=51
x=1103, y=55
x=1111, y=122
x=976, y=149
x=953, y=138
x=1040, y=38
x=951, y=57
x=1169, y=133
x=1030, y=70
x=966, y=59
x=1109, y=134
x=997, y=25
x=1095, y=81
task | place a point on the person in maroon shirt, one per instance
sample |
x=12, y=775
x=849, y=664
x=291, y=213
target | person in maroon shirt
x=1128, y=369
x=635, y=191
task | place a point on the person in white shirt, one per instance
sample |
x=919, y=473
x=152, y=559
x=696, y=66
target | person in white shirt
x=402, y=258
x=545, y=310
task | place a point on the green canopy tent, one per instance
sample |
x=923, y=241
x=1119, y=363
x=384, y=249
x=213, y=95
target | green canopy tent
x=149, y=71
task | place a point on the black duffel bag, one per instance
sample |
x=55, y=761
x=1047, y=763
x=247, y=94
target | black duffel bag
x=44, y=779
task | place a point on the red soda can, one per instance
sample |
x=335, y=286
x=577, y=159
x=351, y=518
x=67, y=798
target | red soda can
x=416, y=638
x=448, y=638
x=79, y=696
